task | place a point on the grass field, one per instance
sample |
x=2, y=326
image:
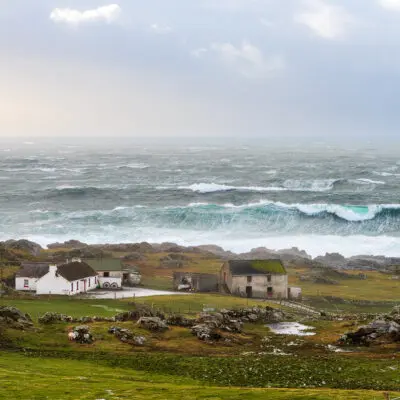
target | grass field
x=42, y=363
x=28, y=378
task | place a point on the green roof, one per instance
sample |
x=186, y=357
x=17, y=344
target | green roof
x=256, y=267
x=105, y=264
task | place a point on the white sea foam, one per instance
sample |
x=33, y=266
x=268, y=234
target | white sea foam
x=370, y=181
x=385, y=174
x=311, y=185
x=214, y=187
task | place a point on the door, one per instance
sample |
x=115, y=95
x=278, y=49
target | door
x=249, y=292
x=84, y=285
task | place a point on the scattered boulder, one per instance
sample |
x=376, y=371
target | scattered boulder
x=127, y=336
x=139, y=311
x=385, y=329
x=51, y=318
x=153, y=324
x=13, y=318
x=206, y=332
x=81, y=334
x=179, y=320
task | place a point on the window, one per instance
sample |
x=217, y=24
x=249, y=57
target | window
x=95, y=280
x=89, y=282
x=72, y=286
x=270, y=291
x=269, y=278
x=106, y=274
x=249, y=279
x=77, y=285
x=26, y=283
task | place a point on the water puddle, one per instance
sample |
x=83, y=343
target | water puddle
x=291, y=328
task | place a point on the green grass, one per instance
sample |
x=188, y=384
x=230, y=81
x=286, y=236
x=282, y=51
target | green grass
x=66, y=305
x=377, y=286
x=29, y=378
x=194, y=303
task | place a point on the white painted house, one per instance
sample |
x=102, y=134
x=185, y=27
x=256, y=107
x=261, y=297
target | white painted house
x=67, y=279
x=26, y=278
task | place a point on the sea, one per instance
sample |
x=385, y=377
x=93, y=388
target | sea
x=239, y=194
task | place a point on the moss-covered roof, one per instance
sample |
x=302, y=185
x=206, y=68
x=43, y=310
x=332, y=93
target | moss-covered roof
x=105, y=264
x=256, y=267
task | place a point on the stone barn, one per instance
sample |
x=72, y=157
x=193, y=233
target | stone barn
x=196, y=282
x=255, y=278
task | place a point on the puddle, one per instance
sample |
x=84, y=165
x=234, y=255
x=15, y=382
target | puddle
x=291, y=328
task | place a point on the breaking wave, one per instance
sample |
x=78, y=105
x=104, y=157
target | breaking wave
x=264, y=216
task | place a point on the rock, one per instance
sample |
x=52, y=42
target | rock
x=139, y=340
x=331, y=260
x=14, y=318
x=205, y=332
x=70, y=244
x=153, y=324
x=385, y=329
x=124, y=335
x=139, y=311
x=23, y=245
x=81, y=334
x=179, y=320
x=51, y=318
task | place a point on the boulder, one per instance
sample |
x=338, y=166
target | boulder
x=51, y=318
x=138, y=311
x=179, y=320
x=14, y=318
x=385, y=329
x=153, y=324
x=81, y=334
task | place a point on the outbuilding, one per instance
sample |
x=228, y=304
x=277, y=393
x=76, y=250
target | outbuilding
x=255, y=279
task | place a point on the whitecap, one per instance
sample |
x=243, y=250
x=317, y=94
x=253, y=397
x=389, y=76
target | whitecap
x=370, y=181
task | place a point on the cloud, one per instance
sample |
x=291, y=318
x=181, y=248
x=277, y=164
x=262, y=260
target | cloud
x=108, y=14
x=198, y=53
x=393, y=5
x=325, y=20
x=161, y=29
x=248, y=59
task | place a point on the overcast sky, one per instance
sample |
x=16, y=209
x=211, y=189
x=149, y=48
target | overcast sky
x=207, y=67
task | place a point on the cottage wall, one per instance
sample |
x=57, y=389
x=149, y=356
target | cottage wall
x=260, y=285
x=226, y=277
x=53, y=283
x=20, y=284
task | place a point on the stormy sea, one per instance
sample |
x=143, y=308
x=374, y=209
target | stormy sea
x=239, y=195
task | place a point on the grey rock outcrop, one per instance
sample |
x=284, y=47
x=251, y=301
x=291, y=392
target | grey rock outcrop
x=24, y=245
x=13, y=318
x=153, y=324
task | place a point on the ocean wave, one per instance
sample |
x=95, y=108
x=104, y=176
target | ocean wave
x=264, y=211
x=385, y=174
x=214, y=187
x=370, y=181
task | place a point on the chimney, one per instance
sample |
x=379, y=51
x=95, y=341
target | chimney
x=53, y=269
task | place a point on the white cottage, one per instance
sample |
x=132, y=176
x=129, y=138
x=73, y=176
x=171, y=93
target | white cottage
x=26, y=278
x=68, y=279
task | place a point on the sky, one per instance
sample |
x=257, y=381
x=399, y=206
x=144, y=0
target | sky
x=268, y=68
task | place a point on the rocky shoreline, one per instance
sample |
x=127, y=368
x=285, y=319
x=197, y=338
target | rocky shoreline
x=293, y=256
